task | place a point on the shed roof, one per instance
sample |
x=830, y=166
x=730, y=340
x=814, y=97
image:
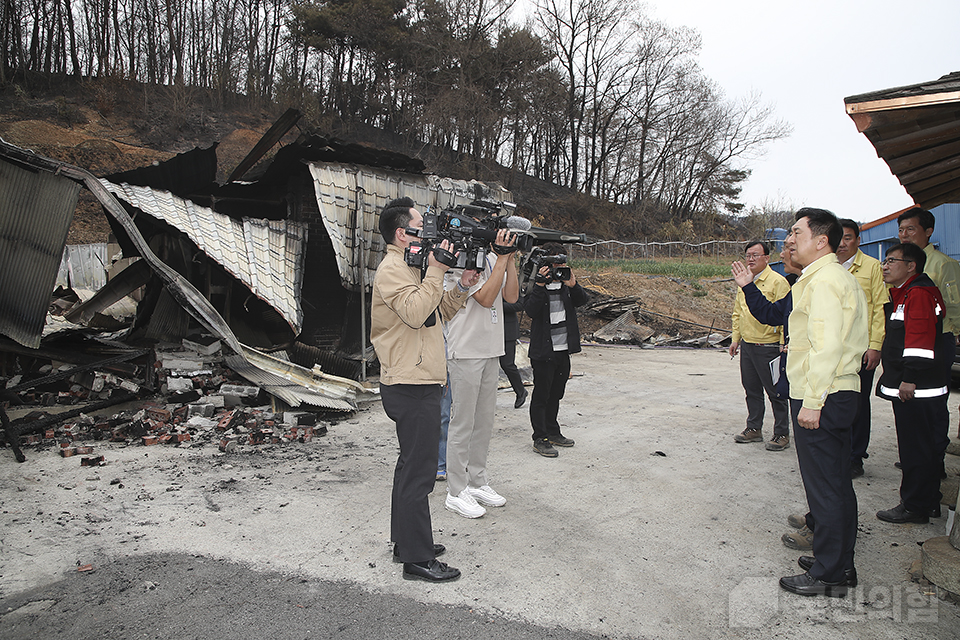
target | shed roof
x=916, y=131
x=266, y=255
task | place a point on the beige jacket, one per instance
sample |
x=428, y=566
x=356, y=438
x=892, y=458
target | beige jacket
x=410, y=352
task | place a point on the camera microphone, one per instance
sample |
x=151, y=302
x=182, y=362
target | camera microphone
x=518, y=223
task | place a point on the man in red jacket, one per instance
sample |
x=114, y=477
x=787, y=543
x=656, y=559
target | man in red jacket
x=914, y=380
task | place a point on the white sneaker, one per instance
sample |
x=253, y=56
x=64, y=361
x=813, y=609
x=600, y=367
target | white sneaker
x=487, y=496
x=464, y=504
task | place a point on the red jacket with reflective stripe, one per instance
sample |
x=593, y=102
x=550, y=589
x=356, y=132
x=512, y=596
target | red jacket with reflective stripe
x=914, y=347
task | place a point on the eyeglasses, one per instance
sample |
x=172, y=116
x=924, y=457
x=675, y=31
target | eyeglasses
x=755, y=256
x=887, y=261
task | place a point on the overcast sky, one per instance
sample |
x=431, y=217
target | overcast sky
x=805, y=58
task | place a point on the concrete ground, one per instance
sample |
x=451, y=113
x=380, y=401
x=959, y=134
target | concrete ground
x=655, y=525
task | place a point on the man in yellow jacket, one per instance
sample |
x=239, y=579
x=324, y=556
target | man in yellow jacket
x=408, y=338
x=869, y=275
x=829, y=334
x=759, y=345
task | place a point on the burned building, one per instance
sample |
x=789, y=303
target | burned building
x=277, y=262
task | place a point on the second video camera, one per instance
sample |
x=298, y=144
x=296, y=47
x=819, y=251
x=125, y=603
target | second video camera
x=530, y=269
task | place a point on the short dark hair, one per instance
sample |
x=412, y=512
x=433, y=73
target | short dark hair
x=554, y=249
x=924, y=217
x=847, y=223
x=822, y=223
x=910, y=252
x=763, y=245
x=396, y=215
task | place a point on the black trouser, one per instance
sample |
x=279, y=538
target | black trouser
x=549, y=383
x=510, y=367
x=861, y=426
x=824, y=457
x=415, y=408
x=756, y=378
x=922, y=425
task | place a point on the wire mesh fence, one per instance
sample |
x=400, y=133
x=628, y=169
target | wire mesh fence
x=715, y=251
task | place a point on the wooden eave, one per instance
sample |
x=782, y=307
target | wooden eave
x=916, y=131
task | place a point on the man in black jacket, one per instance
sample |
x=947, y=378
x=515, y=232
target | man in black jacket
x=554, y=335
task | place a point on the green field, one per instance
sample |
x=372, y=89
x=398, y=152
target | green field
x=674, y=268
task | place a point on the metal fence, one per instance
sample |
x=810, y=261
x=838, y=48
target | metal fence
x=712, y=250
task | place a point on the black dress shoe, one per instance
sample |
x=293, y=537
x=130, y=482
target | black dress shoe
x=806, y=562
x=521, y=398
x=438, y=550
x=900, y=515
x=434, y=571
x=806, y=585
x=935, y=512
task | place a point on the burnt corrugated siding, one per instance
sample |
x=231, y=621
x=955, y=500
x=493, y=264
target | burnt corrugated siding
x=35, y=213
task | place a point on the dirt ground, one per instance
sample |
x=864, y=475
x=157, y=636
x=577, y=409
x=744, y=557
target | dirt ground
x=655, y=525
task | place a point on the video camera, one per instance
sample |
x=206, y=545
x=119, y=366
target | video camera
x=471, y=229
x=538, y=258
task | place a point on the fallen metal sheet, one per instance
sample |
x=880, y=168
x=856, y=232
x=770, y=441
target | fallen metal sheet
x=266, y=255
x=298, y=385
x=36, y=208
x=624, y=329
x=84, y=266
x=350, y=198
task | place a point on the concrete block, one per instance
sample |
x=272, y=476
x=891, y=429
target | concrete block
x=230, y=399
x=243, y=391
x=299, y=418
x=949, y=487
x=941, y=563
x=181, y=362
x=179, y=384
x=202, y=410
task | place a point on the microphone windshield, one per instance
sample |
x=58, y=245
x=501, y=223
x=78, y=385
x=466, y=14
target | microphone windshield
x=518, y=223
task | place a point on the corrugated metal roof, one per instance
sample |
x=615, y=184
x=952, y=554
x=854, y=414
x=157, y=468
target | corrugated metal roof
x=266, y=255
x=351, y=197
x=36, y=208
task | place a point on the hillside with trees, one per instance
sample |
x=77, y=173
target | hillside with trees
x=596, y=116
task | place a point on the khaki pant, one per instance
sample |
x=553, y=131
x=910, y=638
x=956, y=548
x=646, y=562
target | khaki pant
x=473, y=383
